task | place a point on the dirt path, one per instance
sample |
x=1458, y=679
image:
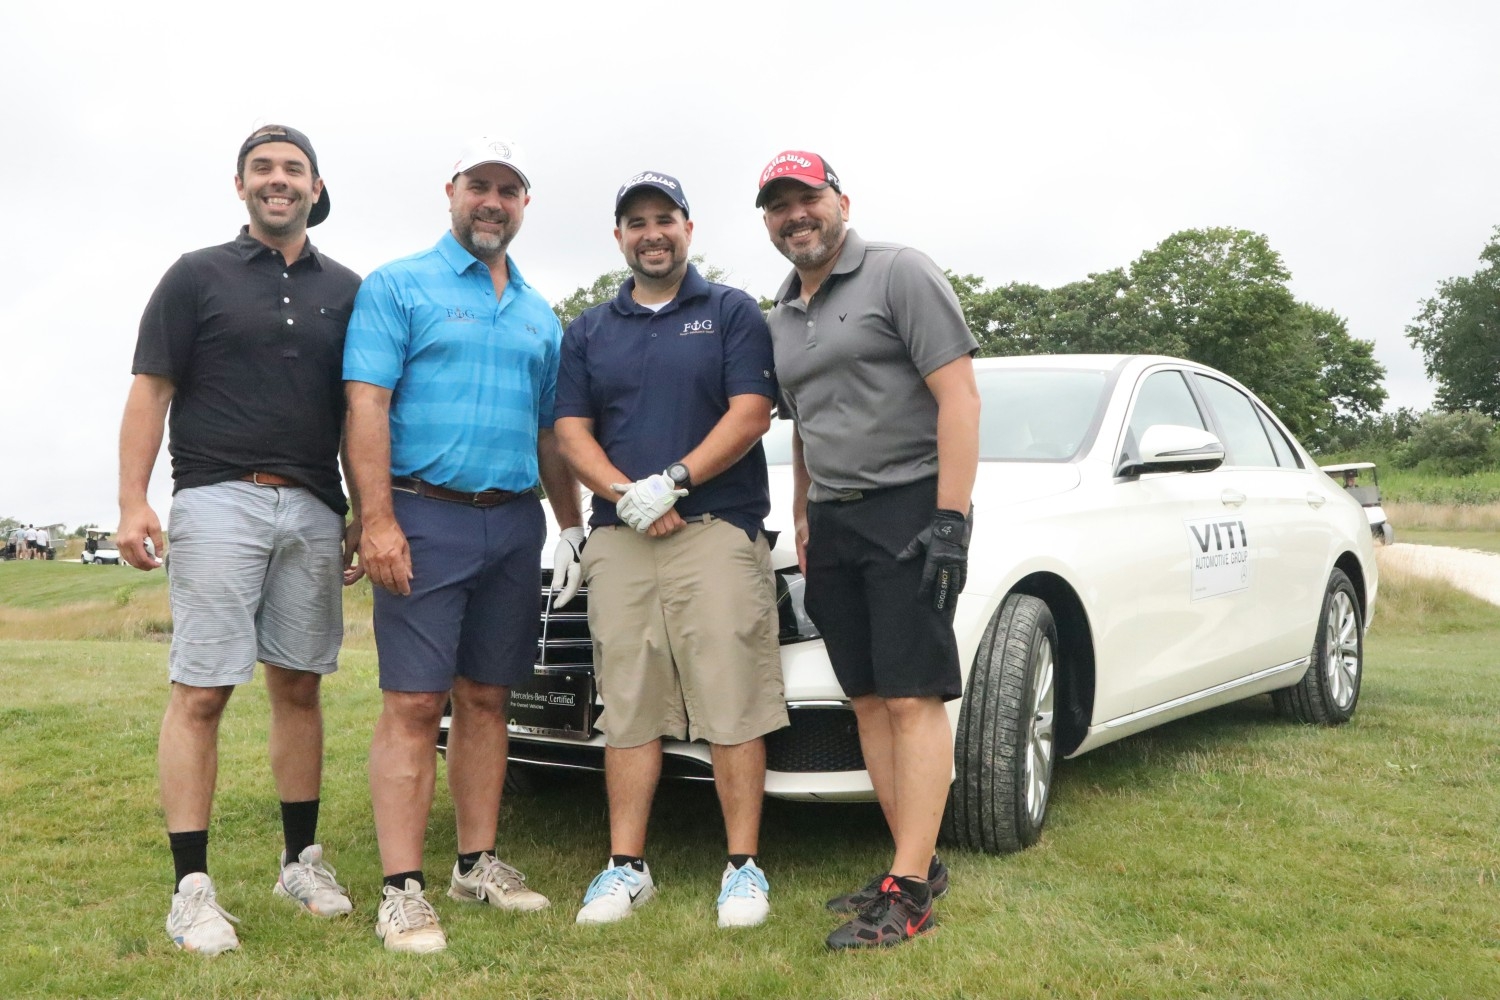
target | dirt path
x=1468, y=569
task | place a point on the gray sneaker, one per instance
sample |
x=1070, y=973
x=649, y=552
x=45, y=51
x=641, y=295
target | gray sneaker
x=407, y=922
x=497, y=883
x=311, y=884
x=197, y=922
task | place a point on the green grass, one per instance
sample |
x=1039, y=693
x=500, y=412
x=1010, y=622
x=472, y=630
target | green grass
x=40, y=585
x=1488, y=541
x=1228, y=855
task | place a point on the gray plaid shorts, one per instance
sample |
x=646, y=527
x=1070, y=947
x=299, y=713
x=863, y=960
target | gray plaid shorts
x=255, y=573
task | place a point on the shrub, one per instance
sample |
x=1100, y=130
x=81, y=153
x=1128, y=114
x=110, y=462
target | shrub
x=1453, y=444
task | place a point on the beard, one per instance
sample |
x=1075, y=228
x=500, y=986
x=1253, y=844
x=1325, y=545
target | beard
x=487, y=245
x=674, y=262
x=830, y=239
x=282, y=226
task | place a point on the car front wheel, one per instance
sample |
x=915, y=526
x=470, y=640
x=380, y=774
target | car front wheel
x=1329, y=691
x=1004, y=748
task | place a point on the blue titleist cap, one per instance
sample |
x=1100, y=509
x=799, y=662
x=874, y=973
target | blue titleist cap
x=664, y=183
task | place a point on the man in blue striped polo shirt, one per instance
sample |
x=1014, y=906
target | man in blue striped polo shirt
x=451, y=361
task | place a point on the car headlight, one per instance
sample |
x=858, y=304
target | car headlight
x=791, y=608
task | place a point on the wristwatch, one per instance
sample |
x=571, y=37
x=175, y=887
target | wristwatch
x=678, y=473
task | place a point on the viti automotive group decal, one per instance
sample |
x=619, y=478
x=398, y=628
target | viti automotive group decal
x=1219, y=548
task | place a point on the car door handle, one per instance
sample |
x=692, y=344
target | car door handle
x=1231, y=498
x=1315, y=500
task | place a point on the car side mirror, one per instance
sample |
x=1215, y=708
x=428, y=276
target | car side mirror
x=1174, y=448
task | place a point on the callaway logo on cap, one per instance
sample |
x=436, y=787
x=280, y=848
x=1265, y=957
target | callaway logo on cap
x=798, y=165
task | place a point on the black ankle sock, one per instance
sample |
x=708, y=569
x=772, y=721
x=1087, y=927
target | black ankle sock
x=466, y=862
x=917, y=889
x=299, y=826
x=398, y=880
x=189, y=853
x=617, y=860
x=739, y=860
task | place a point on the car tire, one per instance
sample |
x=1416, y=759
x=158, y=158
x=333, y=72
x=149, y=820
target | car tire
x=1329, y=691
x=1004, y=750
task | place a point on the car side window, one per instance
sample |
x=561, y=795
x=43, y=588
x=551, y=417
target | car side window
x=1245, y=439
x=1164, y=399
x=1286, y=455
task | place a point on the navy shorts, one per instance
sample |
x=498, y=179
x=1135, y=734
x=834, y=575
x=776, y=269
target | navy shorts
x=473, y=606
x=883, y=637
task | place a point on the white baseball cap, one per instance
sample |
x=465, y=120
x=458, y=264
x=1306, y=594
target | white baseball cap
x=487, y=149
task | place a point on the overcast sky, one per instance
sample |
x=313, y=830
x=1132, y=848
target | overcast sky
x=1030, y=141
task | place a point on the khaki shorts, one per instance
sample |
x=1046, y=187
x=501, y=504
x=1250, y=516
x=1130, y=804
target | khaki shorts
x=685, y=634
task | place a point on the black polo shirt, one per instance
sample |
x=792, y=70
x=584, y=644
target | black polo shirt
x=255, y=350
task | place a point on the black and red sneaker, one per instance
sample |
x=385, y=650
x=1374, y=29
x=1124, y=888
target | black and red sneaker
x=901, y=911
x=937, y=881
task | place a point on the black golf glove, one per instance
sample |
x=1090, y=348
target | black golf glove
x=946, y=543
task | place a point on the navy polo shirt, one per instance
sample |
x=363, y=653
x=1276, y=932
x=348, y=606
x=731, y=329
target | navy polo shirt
x=656, y=383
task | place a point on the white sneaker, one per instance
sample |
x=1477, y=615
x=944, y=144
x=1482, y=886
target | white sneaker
x=311, y=884
x=497, y=883
x=743, y=896
x=407, y=922
x=615, y=893
x=197, y=922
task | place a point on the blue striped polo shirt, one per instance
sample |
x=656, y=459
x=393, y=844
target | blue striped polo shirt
x=472, y=379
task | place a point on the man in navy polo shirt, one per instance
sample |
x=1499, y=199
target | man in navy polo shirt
x=662, y=399
x=452, y=364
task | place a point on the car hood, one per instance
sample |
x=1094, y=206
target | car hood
x=1000, y=484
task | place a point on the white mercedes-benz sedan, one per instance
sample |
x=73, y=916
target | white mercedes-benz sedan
x=1149, y=541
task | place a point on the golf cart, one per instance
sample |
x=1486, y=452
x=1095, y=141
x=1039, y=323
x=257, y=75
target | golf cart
x=1361, y=482
x=99, y=549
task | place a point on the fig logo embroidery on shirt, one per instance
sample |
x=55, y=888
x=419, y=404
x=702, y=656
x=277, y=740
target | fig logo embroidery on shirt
x=697, y=326
x=461, y=315
x=842, y=316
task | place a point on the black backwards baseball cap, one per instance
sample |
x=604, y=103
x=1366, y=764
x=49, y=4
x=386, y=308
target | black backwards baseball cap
x=666, y=184
x=284, y=133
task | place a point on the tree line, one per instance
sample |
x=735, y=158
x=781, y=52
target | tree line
x=1218, y=296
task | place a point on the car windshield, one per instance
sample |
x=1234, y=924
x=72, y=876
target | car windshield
x=1027, y=415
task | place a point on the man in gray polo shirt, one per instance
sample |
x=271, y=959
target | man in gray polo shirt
x=875, y=365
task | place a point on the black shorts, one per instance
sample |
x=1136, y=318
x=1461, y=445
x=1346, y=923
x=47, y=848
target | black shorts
x=883, y=637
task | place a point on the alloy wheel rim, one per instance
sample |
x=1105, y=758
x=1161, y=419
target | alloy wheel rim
x=1039, y=743
x=1341, y=650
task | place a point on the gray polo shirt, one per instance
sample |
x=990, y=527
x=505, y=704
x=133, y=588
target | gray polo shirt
x=852, y=364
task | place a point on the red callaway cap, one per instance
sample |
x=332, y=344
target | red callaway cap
x=798, y=165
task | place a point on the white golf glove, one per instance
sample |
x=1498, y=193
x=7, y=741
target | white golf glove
x=645, y=500
x=567, y=569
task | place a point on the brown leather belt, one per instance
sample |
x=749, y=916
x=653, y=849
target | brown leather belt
x=484, y=498
x=268, y=479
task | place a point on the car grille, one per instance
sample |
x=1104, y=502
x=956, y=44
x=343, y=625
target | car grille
x=819, y=739
x=563, y=640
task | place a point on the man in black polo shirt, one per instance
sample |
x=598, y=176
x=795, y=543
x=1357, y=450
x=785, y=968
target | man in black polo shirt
x=662, y=397
x=243, y=345
x=874, y=361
